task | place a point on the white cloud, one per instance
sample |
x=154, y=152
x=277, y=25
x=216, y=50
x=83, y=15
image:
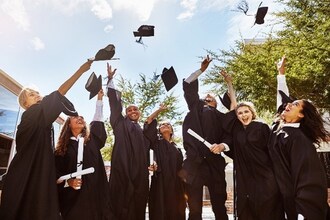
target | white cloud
x=142, y=8
x=37, y=43
x=101, y=9
x=190, y=7
x=16, y=10
x=108, y=28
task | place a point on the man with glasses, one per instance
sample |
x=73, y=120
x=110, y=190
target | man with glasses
x=203, y=165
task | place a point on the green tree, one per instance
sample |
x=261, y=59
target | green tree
x=147, y=94
x=304, y=39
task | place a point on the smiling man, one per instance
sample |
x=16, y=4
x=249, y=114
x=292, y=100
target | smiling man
x=129, y=165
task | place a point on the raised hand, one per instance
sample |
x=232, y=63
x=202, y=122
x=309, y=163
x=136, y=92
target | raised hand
x=281, y=65
x=226, y=76
x=205, y=63
x=110, y=72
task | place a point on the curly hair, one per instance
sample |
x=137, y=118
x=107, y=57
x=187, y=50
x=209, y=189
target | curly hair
x=312, y=123
x=66, y=134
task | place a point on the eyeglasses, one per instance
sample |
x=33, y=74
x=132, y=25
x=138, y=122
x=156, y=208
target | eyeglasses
x=165, y=124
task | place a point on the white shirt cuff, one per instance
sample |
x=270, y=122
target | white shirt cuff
x=226, y=147
x=98, y=116
x=193, y=76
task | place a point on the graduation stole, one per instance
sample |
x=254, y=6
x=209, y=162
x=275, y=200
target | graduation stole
x=80, y=153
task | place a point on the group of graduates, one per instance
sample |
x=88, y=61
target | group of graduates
x=278, y=175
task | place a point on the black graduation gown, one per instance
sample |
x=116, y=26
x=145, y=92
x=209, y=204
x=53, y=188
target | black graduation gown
x=166, y=197
x=29, y=190
x=258, y=196
x=129, y=183
x=207, y=122
x=299, y=173
x=92, y=200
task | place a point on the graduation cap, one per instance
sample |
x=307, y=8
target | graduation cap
x=144, y=31
x=169, y=78
x=225, y=100
x=259, y=16
x=285, y=100
x=261, y=13
x=106, y=53
x=93, y=85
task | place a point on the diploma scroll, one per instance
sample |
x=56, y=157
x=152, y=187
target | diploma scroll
x=75, y=174
x=80, y=156
x=195, y=135
x=151, y=158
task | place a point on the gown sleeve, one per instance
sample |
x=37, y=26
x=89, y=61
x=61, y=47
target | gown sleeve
x=150, y=132
x=308, y=178
x=115, y=107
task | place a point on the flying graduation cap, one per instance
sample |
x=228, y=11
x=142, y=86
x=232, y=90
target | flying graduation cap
x=259, y=16
x=93, y=85
x=106, y=53
x=144, y=31
x=168, y=77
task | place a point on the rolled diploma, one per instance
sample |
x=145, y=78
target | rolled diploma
x=195, y=135
x=80, y=155
x=151, y=155
x=75, y=174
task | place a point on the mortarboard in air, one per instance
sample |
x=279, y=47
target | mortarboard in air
x=93, y=85
x=225, y=100
x=169, y=78
x=144, y=31
x=106, y=53
x=259, y=16
x=261, y=13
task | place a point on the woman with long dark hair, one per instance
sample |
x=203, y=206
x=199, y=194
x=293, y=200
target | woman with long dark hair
x=84, y=197
x=298, y=170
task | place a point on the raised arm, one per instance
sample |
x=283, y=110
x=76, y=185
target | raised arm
x=98, y=116
x=198, y=72
x=64, y=88
x=231, y=91
x=281, y=81
x=154, y=115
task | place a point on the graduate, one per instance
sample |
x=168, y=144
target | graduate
x=298, y=170
x=85, y=197
x=166, y=197
x=257, y=195
x=29, y=190
x=203, y=165
x=129, y=183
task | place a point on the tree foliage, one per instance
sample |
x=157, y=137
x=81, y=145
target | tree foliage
x=304, y=39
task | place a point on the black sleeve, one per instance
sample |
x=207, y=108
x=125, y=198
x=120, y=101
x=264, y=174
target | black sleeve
x=151, y=133
x=98, y=131
x=115, y=107
x=191, y=93
x=52, y=107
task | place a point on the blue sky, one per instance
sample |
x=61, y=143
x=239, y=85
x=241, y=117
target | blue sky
x=44, y=41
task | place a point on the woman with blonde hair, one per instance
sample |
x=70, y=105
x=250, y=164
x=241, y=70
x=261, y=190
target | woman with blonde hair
x=257, y=195
x=29, y=190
